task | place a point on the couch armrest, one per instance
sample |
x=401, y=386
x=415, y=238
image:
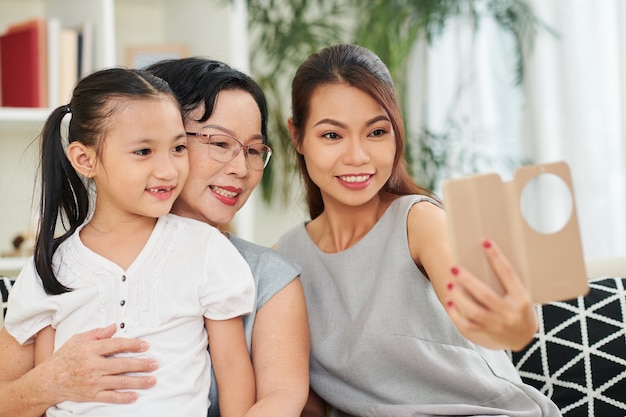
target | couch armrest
x=5, y=285
x=606, y=266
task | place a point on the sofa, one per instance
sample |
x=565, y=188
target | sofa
x=5, y=286
x=578, y=356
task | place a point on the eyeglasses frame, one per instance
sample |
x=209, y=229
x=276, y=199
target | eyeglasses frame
x=235, y=153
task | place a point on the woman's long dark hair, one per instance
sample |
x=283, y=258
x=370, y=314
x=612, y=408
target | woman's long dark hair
x=64, y=195
x=198, y=80
x=361, y=68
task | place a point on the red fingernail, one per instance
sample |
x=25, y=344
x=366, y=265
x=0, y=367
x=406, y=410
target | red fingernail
x=450, y=285
x=486, y=244
x=454, y=270
x=449, y=303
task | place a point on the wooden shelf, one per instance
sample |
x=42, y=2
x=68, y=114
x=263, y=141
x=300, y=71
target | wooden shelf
x=20, y=114
x=24, y=123
x=11, y=266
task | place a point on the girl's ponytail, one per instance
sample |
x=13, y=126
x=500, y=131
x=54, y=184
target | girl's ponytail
x=63, y=196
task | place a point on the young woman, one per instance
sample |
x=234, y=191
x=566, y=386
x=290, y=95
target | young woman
x=124, y=259
x=215, y=98
x=396, y=328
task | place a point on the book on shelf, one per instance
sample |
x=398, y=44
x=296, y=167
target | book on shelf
x=85, y=49
x=41, y=61
x=62, y=62
x=69, y=64
x=53, y=31
x=23, y=64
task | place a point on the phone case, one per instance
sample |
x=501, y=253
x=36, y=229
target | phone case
x=551, y=265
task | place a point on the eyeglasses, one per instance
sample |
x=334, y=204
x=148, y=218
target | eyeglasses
x=224, y=148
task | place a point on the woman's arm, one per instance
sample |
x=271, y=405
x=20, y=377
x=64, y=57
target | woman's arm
x=480, y=314
x=16, y=385
x=80, y=371
x=280, y=354
x=232, y=366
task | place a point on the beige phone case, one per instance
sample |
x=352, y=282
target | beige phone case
x=551, y=266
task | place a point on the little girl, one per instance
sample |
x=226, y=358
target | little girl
x=167, y=280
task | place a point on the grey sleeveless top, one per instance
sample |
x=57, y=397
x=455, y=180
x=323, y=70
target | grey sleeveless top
x=381, y=342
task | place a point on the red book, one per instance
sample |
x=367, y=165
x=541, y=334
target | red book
x=23, y=65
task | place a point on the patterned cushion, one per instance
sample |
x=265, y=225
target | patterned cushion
x=578, y=357
x=5, y=285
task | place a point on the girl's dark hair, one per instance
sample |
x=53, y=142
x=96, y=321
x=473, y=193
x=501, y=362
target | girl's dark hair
x=198, y=80
x=361, y=68
x=64, y=195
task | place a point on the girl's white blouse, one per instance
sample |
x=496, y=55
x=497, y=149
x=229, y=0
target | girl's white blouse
x=187, y=271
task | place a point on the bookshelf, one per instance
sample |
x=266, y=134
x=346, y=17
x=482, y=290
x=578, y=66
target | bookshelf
x=205, y=27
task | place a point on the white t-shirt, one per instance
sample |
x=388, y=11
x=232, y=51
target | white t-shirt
x=186, y=271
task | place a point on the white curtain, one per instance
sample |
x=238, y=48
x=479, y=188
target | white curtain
x=571, y=106
x=576, y=111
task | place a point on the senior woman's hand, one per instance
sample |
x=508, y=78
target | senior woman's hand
x=495, y=321
x=83, y=369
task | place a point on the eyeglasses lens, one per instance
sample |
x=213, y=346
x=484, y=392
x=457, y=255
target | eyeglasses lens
x=223, y=148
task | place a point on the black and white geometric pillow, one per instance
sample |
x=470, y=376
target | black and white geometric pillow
x=5, y=285
x=578, y=357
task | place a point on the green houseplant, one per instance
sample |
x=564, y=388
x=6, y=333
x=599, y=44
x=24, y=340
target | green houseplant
x=284, y=32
